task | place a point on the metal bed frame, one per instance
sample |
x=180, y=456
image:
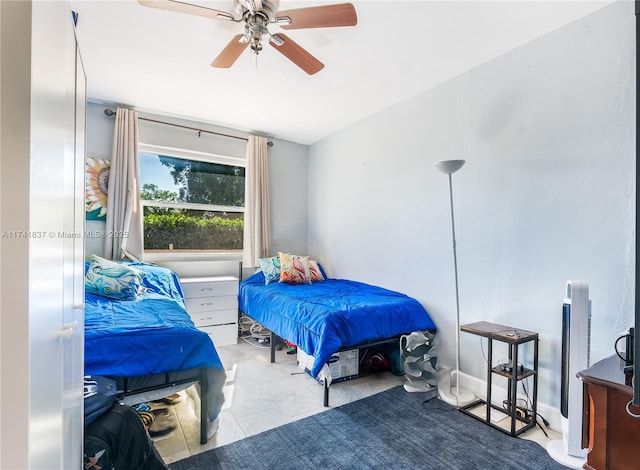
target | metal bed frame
x=325, y=385
x=191, y=376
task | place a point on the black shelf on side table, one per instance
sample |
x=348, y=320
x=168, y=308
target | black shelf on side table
x=514, y=337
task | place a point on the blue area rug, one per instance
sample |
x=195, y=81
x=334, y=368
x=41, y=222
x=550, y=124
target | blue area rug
x=390, y=430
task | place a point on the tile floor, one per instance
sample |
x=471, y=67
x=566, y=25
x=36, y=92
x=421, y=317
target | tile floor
x=260, y=396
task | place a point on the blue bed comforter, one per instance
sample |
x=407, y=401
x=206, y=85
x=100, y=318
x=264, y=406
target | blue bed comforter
x=151, y=335
x=323, y=317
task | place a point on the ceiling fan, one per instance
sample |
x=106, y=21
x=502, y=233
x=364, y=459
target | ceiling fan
x=257, y=15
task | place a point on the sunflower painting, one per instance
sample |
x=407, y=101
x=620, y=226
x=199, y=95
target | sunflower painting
x=96, y=183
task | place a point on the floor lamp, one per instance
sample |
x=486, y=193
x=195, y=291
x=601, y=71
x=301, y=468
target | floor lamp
x=458, y=397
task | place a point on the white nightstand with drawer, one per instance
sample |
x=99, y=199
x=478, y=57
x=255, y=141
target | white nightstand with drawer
x=212, y=303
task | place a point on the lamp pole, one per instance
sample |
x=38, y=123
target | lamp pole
x=461, y=397
x=455, y=270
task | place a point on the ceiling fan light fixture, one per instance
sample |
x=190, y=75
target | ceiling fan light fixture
x=256, y=46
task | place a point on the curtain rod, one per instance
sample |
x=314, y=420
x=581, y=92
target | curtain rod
x=111, y=112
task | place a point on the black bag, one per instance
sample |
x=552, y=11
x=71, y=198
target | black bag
x=118, y=440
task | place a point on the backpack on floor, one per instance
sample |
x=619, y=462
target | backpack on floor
x=118, y=440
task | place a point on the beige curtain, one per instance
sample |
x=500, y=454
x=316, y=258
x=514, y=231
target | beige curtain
x=124, y=221
x=257, y=232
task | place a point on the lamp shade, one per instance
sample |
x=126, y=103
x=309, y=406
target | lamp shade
x=449, y=166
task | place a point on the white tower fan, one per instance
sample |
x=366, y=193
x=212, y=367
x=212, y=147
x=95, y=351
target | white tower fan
x=576, y=318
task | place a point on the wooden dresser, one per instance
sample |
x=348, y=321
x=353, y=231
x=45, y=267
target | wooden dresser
x=609, y=433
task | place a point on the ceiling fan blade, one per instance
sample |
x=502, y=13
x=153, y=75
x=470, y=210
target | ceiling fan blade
x=230, y=53
x=189, y=8
x=296, y=54
x=326, y=16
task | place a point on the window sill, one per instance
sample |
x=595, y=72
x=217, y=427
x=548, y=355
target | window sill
x=156, y=257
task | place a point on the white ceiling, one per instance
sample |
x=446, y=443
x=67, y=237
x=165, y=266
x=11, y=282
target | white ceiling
x=159, y=61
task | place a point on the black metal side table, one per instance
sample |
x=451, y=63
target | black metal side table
x=514, y=337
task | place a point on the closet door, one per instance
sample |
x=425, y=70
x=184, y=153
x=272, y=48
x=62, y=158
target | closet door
x=73, y=368
x=55, y=328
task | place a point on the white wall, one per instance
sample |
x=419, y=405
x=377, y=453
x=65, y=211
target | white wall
x=14, y=271
x=287, y=169
x=546, y=195
x=99, y=143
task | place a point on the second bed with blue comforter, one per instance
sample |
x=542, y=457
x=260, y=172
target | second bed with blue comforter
x=324, y=317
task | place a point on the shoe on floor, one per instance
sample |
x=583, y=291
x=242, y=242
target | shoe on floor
x=170, y=400
x=161, y=429
x=160, y=412
x=147, y=417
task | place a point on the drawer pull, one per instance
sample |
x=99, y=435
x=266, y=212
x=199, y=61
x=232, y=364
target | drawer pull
x=207, y=303
x=206, y=318
x=206, y=289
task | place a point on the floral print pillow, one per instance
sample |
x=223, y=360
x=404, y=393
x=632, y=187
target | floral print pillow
x=294, y=269
x=113, y=280
x=270, y=267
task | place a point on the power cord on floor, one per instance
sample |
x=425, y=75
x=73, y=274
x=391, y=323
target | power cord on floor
x=437, y=405
x=254, y=333
x=248, y=326
x=524, y=409
x=546, y=423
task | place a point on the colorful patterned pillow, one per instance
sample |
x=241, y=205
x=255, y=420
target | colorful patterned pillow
x=294, y=269
x=113, y=280
x=270, y=267
x=314, y=271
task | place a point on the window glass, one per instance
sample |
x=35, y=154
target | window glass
x=191, y=204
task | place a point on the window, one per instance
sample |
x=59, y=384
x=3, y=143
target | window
x=191, y=202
